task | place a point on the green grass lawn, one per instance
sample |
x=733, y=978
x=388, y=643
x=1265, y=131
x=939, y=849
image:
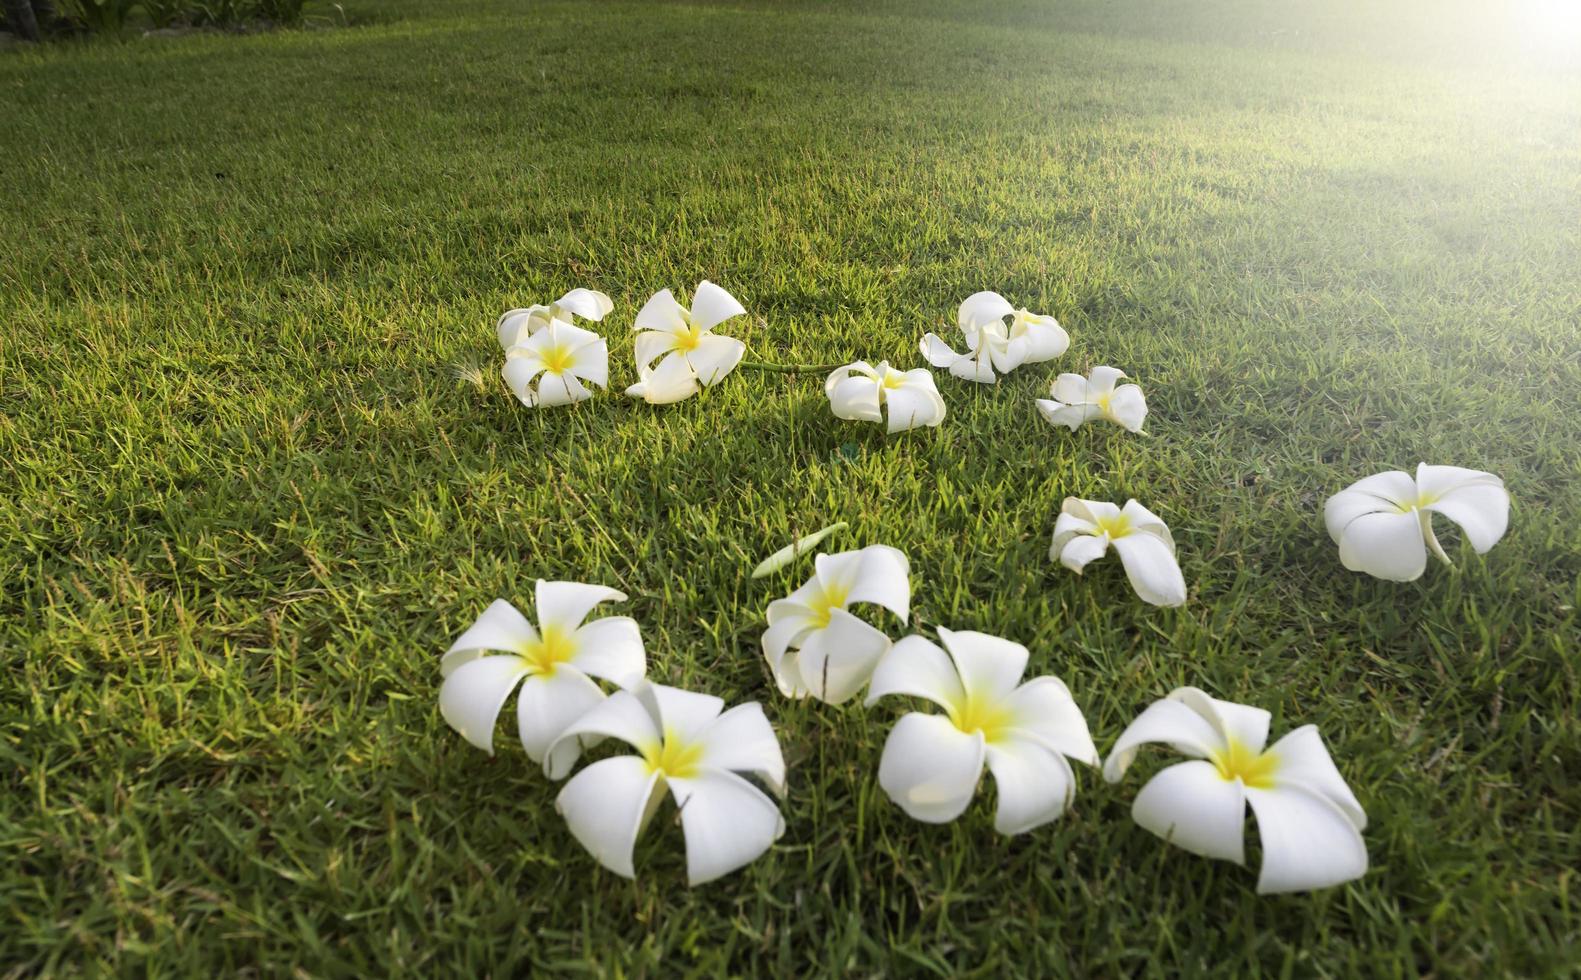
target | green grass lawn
x=247, y=502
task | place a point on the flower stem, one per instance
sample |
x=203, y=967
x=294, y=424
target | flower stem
x=787, y=368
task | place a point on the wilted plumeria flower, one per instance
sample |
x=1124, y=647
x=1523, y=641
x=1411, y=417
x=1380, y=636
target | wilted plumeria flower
x=814, y=645
x=1308, y=819
x=1078, y=399
x=515, y=326
x=558, y=660
x=692, y=354
x=683, y=742
x=549, y=367
x=1384, y=524
x=1086, y=528
x=932, y=763
x=857, y=391
x=994, y=343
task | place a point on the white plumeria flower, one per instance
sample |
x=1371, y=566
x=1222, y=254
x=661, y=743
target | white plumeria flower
x=549, y=367
x=558, y=659
x=1384, y=523
x=1308, y=819
x=994, y=343
x=1078, y=399
x=515, y=326
x=692, y=354
x=858, y=391
x=1023, y=732
x=813, y=645
x=685, y=743
x=1086, y=528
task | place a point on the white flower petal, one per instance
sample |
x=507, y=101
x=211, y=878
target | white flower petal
x=982, y=308
x=611, y=648
x=1151, y=567
x=622, y=715
x=936, y=351
x=990, y=666
x=650, y=344
x=930, y=768
x=470, y=699
x=883, y=578
x=910, y=408
x=1482, y=510
x=1440, y=481
x=1070, y=389
x=1304, y=761
x=1308, y=841
x=916, y=667
x=560, y=389
x=727, y=821
x=591, y=363
x=1070, y=416
x=1146, y=521
x=1046, y=339
x=781, y=635
x=795, y=549
x=548, y=704
x=1128, y=408
x=606, y=807
x=1380, y=493
x=1242, y=723
x=1010, y=354
x=974, y=367
x=1193, y=807
x=672, y=381
x=519, y=373
x=1043, y=709
x=836, y=661
x=661, y=312
x=589, y=304
x=565, y=604
x=712, y=306
x=855, y=399
x=742, y=740
x=1386, y=546
x=1074, y=520
x=1171, y=723
x=715, y=357
x=1034, y=784
x=682, y=714
x=1101, y=381
x=514, y=326
x=501, y=627
x=1082, y=550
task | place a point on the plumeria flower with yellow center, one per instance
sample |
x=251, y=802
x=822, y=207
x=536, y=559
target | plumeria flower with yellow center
x=553, y=662
x=1078, y=399
x=859, y=392
x=814, y=645
x=692, y=354
x=1308, y=819
x=549, y=367
x=1086, y=528
x=683, y=742
x=1023, y=732
x=1384, y=523
x=999, y=338
x=515, y=326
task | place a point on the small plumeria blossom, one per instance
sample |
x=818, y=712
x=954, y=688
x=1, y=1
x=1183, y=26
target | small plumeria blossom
x=860, y=391
x=1384, y=523
x=1308, y=819
x=1078, y=399
x=683, y=742
x=693, y=356
x=515, y=326
x=558, y=659
x=1023, y=732
x=993, y=342
x=814, y=645
x=1086, y=528
x=549, y=367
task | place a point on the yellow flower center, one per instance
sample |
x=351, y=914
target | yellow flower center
x=1117, y=526
x=1255, y=769
x=552, y=648
x=1418, y=502
x=893, y=380
x=675, y=758
x=823, y=605
x=557, y=358
x=688, y=339
x=981, y=715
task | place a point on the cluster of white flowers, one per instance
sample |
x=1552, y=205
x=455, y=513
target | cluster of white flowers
x=1308, y=820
